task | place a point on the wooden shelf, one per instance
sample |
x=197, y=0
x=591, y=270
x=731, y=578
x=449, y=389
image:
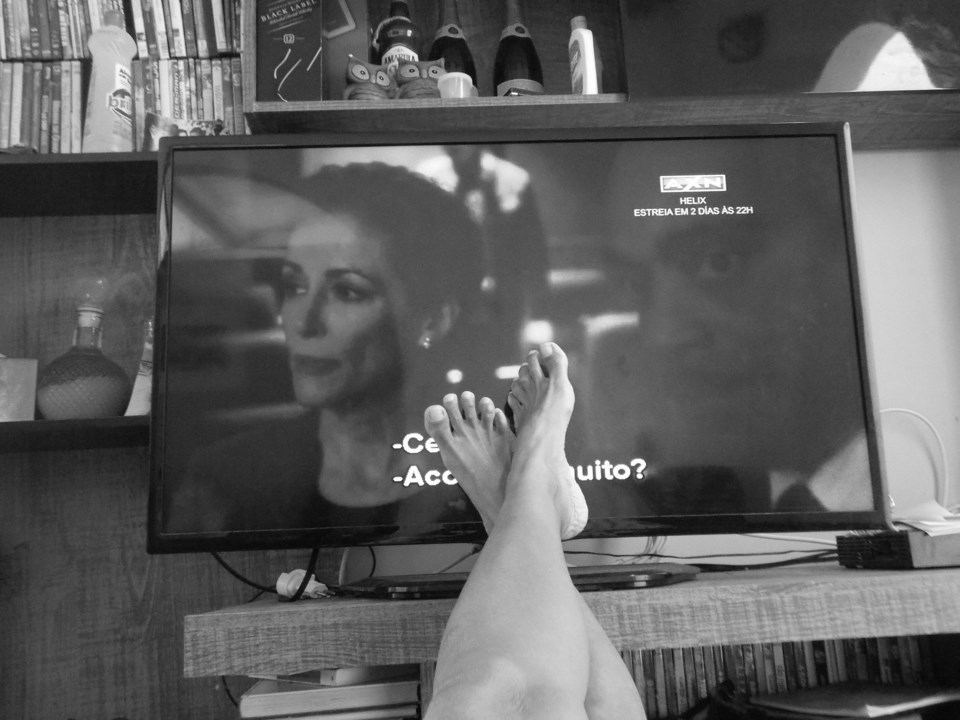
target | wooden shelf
x=798, y=603
x=878, y=120
x=126, y=183
x=36, y=435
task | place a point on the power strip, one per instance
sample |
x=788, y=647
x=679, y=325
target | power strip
x=903, y=550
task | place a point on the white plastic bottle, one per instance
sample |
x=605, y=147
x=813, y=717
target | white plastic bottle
x=143, y=384
x=108, y=126
x=584, y=73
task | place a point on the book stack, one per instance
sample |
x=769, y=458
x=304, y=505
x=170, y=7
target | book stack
x=359, y=693
x=671, y=681
x=186, y=76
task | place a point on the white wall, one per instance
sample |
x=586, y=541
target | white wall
x=908, y=213
x=909, y=222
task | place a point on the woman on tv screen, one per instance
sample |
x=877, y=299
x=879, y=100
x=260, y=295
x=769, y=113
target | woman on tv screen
x=379, y=269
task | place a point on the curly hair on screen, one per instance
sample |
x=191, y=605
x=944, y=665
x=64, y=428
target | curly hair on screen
x=434, y=244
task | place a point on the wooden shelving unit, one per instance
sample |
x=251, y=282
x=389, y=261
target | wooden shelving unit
x=125, y=184
x=93, y=622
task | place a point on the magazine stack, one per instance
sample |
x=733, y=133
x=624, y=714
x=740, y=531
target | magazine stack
x=354, y=693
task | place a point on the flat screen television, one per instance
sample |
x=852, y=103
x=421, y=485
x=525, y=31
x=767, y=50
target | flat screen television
x=317, y=292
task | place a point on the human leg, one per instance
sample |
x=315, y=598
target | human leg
x=515, y=645
x=611, y=690
x=476, y=443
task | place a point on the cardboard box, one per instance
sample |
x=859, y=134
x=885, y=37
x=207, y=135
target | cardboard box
x=289, y=53
x=18, y=389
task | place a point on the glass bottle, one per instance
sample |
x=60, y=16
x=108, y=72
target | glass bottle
x=83, y=382
x=450, y=43
x=516, y=67
x=396, y=37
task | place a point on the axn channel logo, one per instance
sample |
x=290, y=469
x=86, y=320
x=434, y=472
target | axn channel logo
x=692, y=183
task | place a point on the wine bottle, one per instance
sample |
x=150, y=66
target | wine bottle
x=450, y=44
x=396, y=37
x=516, y=68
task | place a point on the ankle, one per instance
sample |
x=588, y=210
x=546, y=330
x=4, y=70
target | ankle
x=531, y=503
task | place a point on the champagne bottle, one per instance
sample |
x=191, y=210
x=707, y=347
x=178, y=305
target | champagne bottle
x=396, y=37
x=516, y=68
x=450, y=43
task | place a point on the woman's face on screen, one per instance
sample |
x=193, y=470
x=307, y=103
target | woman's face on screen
x=341, y=310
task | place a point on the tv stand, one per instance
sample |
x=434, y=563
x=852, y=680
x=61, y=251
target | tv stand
x=585, y=577
x=792, y=603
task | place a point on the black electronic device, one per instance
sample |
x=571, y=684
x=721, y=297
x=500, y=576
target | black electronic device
x=585, y=578
x=316, y=292
x=898, y=550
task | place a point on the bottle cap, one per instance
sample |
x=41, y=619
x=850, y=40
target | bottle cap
x=89, y=315
x=578, y=22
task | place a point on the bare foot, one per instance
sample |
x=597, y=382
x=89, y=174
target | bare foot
x=475, y=447
x=542, y=399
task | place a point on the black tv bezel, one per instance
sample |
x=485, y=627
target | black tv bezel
x=159, y=542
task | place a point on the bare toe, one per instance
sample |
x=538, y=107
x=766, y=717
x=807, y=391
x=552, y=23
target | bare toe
x=501, y=425
x=468, y=406
x=452, y=404
x=553, y=361
x=437, y=423
x=488, y=412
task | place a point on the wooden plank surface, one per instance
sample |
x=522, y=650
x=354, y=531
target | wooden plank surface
x=91, y=625
x=756, y=606
x=878, y=120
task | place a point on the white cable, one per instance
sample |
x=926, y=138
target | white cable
x=940, y=479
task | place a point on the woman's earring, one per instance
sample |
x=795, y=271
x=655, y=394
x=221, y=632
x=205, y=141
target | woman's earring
x=425, y=341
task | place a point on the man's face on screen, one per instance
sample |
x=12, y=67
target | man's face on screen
x=743, y=329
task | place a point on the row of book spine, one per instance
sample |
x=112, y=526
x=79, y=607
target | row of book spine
x=192, y=96
x=672, y=681
x=42, y=103
x=41, y=106
x=186, y=28
x=163, y=29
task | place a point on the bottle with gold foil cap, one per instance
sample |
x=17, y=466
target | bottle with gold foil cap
x=83, y=382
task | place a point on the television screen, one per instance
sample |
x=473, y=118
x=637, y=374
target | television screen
x=317, y=292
